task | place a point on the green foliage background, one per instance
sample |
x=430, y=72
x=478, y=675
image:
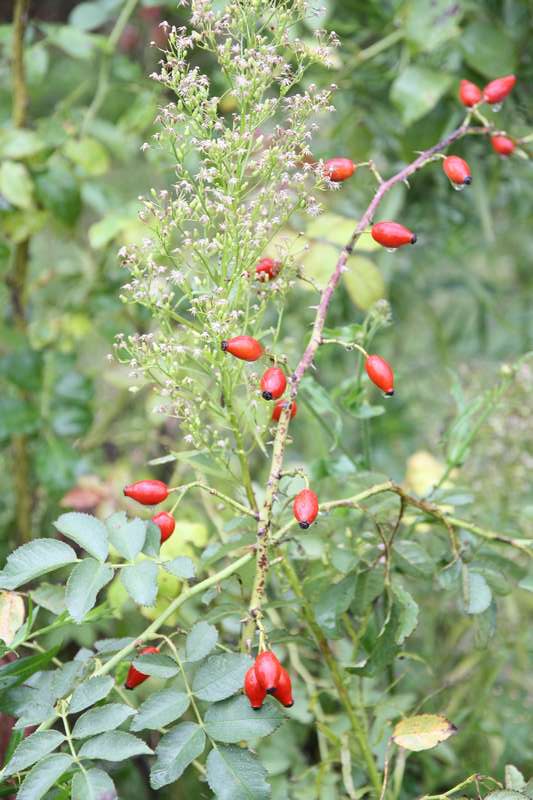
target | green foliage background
x=461, y=306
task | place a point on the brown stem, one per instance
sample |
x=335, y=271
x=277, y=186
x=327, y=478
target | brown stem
x=16, y=279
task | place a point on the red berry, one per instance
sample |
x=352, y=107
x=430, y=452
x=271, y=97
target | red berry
x=253, y=689
x=280, y=405
x=469, y=94
x=305, y=508
x=339, y=169
x=381, y=374
x=130, y=39
x=166, y=524
x=392, y=234
x=496, y=91
x=457, y=170
x=273, y=383
x=283, y=691
x=502, y=145
x=149, y=493
x=244, y=347
x=267, y=670
x=134, y=677
x=267, y=269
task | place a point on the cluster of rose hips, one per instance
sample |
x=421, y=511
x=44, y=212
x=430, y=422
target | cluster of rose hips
x=151, y=493
x=267, y=676
x=494, y=93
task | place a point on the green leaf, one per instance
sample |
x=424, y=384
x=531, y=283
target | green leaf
x=333, y=603
x=527, y=583
x=43, y=776
x=417, y=90
x=152, y=542
x=408, y=613
x=160, y=709
x=90, y=692
x=236, y=774
x=94, y=784
x=220, y=676
x=113, y=645
x=126, y=536
x=422, y=732
x=101, y=719
x=20, y=670
x=19, y=143
x=83, y=585
x=413, y=558
x=234, y=719
x=364, y=282
x=49, y=596
x=17, y=416
x=57, y=190
x=181, y=567
x=88, y=154
x=85, y=530
x=488, y=48
x=505, y=794
x=175, y=751
x=73, y=42
x=514, y=778
x=34, y=559
x=428, y=25
x=88, y=16
x=140, y=581
x=476, y=592
x=16, y=185
x=157, y=665
x=114, y=746
x=200, y=641
x=32, y=749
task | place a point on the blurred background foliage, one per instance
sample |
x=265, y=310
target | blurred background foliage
x=73, y=433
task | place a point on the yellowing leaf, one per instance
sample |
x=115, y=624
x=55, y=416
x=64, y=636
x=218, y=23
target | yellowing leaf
x=11, y=615
x=336, y=229
x=423, y=731
x=423, y=472
x=364, y=282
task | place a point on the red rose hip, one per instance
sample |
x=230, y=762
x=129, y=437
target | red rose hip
x=267, y=670
x=392, y=234
x=253, y=690
x=244, y=347
x=339, y=169
x=469, y=94
x=149, y=493
x=283, y=691
x=166, y=524
x=381, y=374
x=502, y=145
x=134, y=677
x=280, y=405
x=457, y=170
x=305, y=508
x=273, y=383
x=267, y=269
x=497, y=90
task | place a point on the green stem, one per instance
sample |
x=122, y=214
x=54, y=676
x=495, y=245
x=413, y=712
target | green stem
x=358, y=728
x=241, y=454
x=228, y=500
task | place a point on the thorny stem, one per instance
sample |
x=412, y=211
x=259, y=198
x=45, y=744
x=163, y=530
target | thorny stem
x=17, y=277
x=467, y=781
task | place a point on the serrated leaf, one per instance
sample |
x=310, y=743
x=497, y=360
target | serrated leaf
x=152, y=542
x=113, y=645
x=220, y=676
x=234, y=719
x=127, y=537
x=423, y=731
x=476, y=592
x=175, y=751
x=200, y=641
x=407, y=613
x=236, y=774
x=157, y=665
x=114, y=746
x=514, y=778
x=16, y=185
x=85, y=530
x=90, y=692
x=140, y=581
x=34, y=559
x=94, y=784
x=160, y=709
x=83, y=585
x=50, y=596
x=505, y=794
x=43, y=776
x=20, y=670
x=101, y=719
x=333, y=603
x=181, y=567
x=11, y=615
x=32, y=749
